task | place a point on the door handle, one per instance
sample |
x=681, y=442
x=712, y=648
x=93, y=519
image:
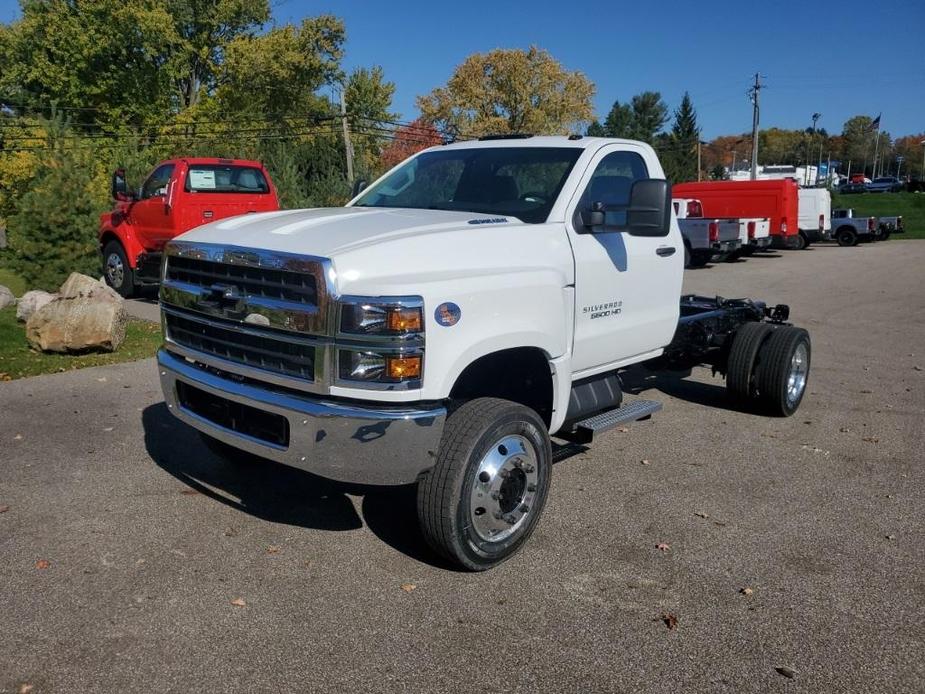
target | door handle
x=665, y=251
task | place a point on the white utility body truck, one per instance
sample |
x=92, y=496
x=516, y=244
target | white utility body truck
x=475, y=300
x=754, y=233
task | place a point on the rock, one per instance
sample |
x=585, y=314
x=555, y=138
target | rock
x=30, y=302
x=78, y=285
x=6, y=297
x=86, y=316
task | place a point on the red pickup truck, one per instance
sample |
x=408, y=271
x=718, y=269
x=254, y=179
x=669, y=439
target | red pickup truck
x=180, y=194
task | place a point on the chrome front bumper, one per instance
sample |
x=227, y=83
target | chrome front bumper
x=344, y=442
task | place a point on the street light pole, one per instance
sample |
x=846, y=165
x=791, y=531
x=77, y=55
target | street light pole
x=923, y=160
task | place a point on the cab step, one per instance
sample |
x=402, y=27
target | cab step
x=585, y=430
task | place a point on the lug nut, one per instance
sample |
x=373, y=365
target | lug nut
x=484, y=476
x=529, y=468
x=524, y=508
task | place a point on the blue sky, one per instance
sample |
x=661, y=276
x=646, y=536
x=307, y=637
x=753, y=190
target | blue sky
x=837, y=58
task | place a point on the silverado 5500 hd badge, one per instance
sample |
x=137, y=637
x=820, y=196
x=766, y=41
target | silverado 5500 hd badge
x=611, y=308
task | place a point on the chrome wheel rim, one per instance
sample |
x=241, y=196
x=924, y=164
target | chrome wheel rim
x=796, y=379
x=114, y=270
x=504, y=489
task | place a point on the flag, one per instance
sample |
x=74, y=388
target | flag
x=874, y=124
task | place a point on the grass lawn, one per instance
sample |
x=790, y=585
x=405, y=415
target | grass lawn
x=910, y=205
x=15, y=283
x=17, y=360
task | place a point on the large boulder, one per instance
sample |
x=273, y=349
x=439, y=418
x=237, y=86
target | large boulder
x=30, y=302
x=6, y=297
x=78, y=285
x=86, y=316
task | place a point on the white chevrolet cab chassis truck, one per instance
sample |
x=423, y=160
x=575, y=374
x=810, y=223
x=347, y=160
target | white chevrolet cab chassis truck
x=475, y=300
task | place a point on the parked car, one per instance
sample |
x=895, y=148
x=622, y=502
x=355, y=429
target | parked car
x=852, y=187
x=885, y=184
x=705, y=240
x=475, y=300
x=849, y=230
x=814, y=216
x=177, y=196
x=776, y=200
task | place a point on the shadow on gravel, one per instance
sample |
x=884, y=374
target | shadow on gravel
x=282, y=494
x=637, y=380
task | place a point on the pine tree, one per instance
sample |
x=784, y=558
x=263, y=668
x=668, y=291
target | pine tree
x=681, y=157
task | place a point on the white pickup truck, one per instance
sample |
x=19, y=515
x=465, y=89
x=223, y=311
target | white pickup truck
x=754, y=232
x=476, y=300
x=705, y=239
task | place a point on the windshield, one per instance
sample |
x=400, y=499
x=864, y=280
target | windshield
x=522, y=182
x=221, y=178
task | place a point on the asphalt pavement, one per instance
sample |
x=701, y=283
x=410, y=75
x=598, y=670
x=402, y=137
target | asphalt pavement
x=708, y=549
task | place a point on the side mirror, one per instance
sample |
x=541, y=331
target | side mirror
x=649, y=212
x=120, y=187
x=358, y=186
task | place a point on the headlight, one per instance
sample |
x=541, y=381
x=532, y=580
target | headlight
x=382, y=316
x=373, y=367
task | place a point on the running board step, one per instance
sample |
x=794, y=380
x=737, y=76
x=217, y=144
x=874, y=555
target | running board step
x=630, y=412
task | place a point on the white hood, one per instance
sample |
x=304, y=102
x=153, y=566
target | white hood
x=327, y=232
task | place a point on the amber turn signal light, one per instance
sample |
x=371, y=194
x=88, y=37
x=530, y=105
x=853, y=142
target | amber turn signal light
x=404, y=320
x=401, y=368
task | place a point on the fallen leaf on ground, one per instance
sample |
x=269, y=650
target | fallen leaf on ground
x=746, y=591
x=18, y=437
x=273, y=549
x=871, y=439
x=844, y=430
x=189, y=492
x=239, y=602
x=623, y=430
x=644, y=461
x=102, y=379
x=663, y=546
x=866, y=392
x=408, y=587
x=890, y=537
x=230, y=532
x=42, y=564
x=25, y=688
x=701, y=514
x=917, y=367
x=670, y=621
x=108, y=428
x=787, y=672
x=4, y=509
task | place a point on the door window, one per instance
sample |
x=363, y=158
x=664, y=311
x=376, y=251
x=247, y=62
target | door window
x=610, y=184
x=157, y=182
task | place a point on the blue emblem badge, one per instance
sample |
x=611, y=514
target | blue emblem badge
x=447, y=314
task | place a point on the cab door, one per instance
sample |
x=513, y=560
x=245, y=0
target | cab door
x=627, y=288
x=152, y=215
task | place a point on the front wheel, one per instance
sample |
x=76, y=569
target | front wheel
x=485, y=494
x=119, y=274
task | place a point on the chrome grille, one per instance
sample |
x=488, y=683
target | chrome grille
x=250, y=281
x=251, y=347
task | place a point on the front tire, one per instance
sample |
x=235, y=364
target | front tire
x=118, y=273
x=483, y=498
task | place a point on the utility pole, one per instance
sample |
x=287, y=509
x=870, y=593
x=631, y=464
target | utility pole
x=699, y=144
x=754, y=94
x=348, y=145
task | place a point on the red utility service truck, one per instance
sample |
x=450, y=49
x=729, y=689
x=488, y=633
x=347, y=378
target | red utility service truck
x=778, y=200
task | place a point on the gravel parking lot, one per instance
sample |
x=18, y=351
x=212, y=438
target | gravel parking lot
x=793, y=550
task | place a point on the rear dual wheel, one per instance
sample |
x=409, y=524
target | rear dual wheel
x=769, y=367
x=485, y=494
